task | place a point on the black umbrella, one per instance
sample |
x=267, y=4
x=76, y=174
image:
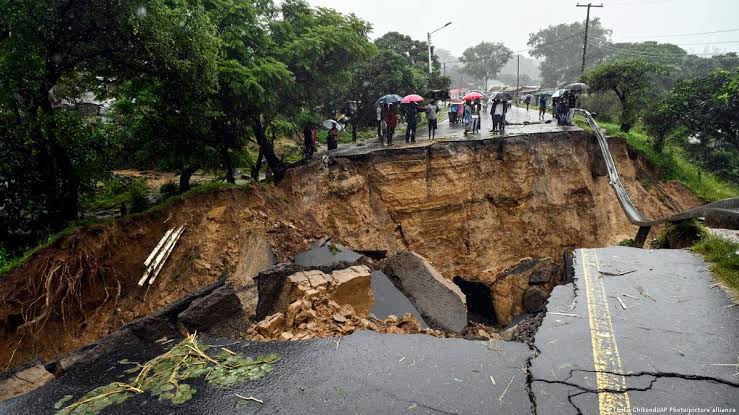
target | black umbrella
x=501, y=96
x=577, y=87
x=439, y=94
x=389, y=99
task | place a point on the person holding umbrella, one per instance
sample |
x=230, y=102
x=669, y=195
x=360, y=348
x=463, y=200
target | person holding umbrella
x=411, y=115
x=467, y=117
x=498, y=112
x=411, y=119
x=379, y=122
x=391, y=121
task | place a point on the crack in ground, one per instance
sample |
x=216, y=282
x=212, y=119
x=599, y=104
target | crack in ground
x=663, y=375
x=655, y=377
x=431, y=408
x=529, y=376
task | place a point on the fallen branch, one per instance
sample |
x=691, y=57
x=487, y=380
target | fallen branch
x=249, y=398
x=158, y=247
x=506, y=390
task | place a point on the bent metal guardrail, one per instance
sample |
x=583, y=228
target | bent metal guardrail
x=724, y=207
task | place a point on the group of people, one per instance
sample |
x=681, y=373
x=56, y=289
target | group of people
x=387, y=120
x=563, y=107
x=473, y=111
x=470, y=113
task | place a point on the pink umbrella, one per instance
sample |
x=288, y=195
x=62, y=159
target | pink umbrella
x=471, y=96
x=411, y=98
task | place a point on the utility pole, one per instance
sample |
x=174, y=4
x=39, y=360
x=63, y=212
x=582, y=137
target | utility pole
x=518, y=67
x=444, y=66
x=587, y=23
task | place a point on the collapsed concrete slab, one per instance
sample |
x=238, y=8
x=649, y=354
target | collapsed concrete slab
x=523, y=288
x=351, y=286
x=441, y=303
x=271, y=284
x=256, y=256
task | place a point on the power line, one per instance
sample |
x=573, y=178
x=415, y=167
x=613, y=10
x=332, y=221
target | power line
x=645, y=54
x=691, y=34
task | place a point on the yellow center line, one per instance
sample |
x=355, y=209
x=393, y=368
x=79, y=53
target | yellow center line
x=603, y=340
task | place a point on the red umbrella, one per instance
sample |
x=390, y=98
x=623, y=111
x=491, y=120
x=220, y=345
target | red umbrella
x=411, y=98
x=471, y=96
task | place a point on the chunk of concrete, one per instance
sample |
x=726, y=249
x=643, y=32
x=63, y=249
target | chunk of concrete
x=440, y=302
x=353, y=286
x=211, y=310
x=24, y=381
x=256, y=255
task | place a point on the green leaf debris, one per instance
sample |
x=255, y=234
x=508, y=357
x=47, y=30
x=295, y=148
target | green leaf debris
x=163, y=376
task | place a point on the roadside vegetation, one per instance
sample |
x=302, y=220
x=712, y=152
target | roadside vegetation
x=724, y=258
x=673, y=164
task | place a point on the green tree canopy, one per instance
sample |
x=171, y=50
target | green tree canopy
x=560, y=47
x=46, y=46
x=484, y=60
x=632, y=80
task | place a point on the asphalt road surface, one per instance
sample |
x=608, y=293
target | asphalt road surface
x=638, y=330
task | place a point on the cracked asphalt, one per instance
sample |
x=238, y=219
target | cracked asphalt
x=636, y=330
x=671, y=337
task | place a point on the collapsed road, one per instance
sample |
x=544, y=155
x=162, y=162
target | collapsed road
x=550, y=195
x=636, y=329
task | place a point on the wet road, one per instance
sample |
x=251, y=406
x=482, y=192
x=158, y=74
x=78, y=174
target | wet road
x=446, y=132
x=636, y=330
x=365, y=373
x=659, y=335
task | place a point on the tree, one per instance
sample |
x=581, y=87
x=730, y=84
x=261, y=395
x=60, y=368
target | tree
x=485, y=60
x=48, y=44
x=414, y=51
x=386, y=72
x=277, y=60
x=707, y=107
x=560, y=47
x=632, y=80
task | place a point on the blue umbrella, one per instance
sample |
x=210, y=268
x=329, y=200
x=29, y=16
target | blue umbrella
x=389, y=99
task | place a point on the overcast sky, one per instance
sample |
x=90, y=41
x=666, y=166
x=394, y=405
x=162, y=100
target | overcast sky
x=510, y=22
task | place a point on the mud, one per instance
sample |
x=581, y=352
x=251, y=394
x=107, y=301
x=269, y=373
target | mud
x=472, y=209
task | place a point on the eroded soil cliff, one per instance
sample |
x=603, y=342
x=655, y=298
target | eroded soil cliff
x=472, y=208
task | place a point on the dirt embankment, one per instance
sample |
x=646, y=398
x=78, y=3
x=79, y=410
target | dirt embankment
x=471, y=208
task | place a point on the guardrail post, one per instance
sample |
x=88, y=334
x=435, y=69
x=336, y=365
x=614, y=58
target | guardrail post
x=641, y=236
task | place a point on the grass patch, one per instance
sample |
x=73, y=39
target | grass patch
x=113, y=192
x=9, y=263
x=672, y=164
x=724, y=258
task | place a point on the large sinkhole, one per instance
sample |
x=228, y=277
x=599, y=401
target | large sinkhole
x=479, y=300
x=494, y=214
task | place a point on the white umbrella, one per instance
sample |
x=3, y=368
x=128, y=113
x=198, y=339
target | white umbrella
x=329, y=124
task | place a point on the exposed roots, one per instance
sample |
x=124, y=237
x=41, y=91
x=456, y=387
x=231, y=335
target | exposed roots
x=70, y=286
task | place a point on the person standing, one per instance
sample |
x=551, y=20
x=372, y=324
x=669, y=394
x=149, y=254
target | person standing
x=391, y=121
x=333, y=138
x=475, y=116
x=542, y=106
x=379, y=122
x=431, y=110
x=467, y=117
x=411, y=119
x=309, y=133
x=498, y=111
x=571, y=105
x=527, y=101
